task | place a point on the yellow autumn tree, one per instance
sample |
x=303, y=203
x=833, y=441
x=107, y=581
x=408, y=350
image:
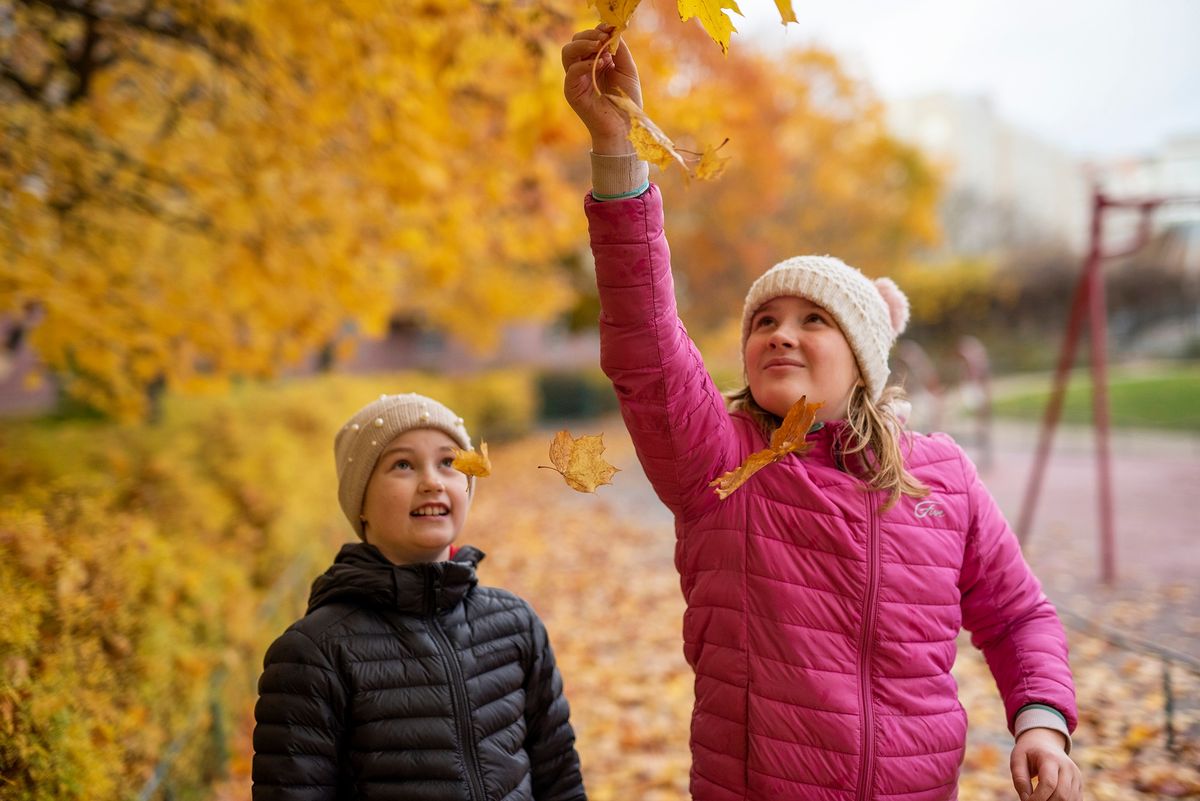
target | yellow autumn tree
x=191, y=191
x=813, y=168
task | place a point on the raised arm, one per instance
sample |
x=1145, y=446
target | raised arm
x=674, y=413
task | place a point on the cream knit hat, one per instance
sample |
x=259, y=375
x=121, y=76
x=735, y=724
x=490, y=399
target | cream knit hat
x=360, y=442
x=870, y=313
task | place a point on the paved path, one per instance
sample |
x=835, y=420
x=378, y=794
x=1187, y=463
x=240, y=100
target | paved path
x=1156, y=479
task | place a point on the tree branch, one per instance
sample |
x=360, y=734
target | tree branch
x=31, y=90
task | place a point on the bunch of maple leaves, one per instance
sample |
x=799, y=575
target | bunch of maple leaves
x=649, y=141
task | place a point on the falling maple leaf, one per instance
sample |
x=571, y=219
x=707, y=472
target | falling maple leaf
x=647, y=138
x=473, y=463
x=711, y=165
x=788, y=438
x=579, y=461
x=654, y=146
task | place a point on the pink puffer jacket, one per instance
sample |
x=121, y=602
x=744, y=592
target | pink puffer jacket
x=821, y=630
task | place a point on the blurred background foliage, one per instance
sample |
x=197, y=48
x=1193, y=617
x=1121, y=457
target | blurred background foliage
x=146, y=566
x=194, y=192
x=196, y=197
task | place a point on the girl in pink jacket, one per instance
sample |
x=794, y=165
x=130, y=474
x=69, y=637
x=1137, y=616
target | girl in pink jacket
x=825, y=596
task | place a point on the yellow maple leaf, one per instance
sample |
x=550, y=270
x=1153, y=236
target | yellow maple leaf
x=579, y=461
x=788, y=438
x=786, y=12
x=647, y=138
x=473, y=463
x=713, y=17
x=711, y=165
x=617, y=14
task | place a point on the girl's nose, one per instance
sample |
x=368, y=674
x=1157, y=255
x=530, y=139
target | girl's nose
x=432, y=483
x=782, y=338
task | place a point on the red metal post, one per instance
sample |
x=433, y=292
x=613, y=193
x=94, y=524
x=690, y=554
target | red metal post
x=1079, y=307
x=1098, y=316
x=1090, y=298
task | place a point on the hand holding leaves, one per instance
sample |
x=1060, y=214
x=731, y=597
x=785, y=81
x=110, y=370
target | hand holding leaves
x=593, y=73
x=788, y=438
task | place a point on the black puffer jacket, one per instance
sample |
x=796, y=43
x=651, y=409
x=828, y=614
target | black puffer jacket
x=412, y=682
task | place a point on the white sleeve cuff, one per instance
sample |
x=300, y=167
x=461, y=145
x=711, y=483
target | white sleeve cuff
x=1037, y=718
x=618, y=176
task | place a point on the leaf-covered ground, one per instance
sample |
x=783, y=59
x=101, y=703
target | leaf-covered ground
x=599, y=570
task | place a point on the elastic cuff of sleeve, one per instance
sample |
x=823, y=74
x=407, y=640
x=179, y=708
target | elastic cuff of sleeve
x=615, y=177
x=623, y=195
x=1040, y=716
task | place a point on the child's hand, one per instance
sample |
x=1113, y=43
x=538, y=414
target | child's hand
x=608, y=126
x=1040, y=753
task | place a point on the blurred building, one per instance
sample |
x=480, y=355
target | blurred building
x=1006, y=189
x=1172, y=171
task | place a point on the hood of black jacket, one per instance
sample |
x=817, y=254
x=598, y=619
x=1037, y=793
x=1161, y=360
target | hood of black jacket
x=362, y=575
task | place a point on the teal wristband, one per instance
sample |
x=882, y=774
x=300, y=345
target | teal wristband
x=623, y=195
x=1045, y=707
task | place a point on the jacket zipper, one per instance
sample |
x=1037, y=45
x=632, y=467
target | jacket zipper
x=459, y=701
x=866, y=771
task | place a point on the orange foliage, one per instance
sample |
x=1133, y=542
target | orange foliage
x=812, y=166
x=220, y=190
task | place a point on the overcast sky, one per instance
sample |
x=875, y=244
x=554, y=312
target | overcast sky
x=1098, y=78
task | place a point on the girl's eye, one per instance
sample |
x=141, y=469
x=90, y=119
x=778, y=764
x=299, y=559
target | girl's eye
x=448, y=462
x=814, y=318
x=764, y=321
x=402, y=464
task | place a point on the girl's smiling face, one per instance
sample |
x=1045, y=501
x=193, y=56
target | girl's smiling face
x=796, y=348
x=416, y=503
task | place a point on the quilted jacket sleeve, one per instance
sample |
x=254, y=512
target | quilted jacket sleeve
x=298, y=723
x=550, y=740
x=1010, y=619
x=674, y=413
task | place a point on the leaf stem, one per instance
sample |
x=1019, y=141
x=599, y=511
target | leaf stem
x=596, y=61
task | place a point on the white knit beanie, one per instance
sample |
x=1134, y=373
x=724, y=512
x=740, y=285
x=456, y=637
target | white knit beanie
x=870, y=313
x=360, y=442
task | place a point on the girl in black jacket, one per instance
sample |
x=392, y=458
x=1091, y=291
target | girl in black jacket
x=406, y=679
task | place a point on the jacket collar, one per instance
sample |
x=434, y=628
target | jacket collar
x=361, y=574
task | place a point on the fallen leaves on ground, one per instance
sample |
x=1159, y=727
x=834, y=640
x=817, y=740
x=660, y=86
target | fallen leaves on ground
x=580, y=462
x=599, y=571
x=473, y=463
x=788, y=438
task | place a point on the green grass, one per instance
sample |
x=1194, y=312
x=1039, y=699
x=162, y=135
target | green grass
x=1167, y=398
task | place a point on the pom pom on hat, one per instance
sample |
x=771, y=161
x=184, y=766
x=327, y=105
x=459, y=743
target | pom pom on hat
x=897, y=303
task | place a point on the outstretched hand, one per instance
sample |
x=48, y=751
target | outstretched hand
x=615, y=73
x=1040, y=753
